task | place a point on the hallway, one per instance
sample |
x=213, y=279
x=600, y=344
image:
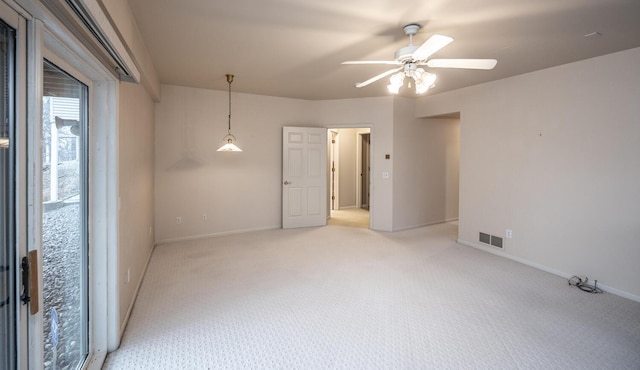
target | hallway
x=350, y=217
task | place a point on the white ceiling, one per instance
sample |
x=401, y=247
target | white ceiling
x=293, y=48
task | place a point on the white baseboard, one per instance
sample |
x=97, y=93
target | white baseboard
x=135, y=296
x=425, y=224
x=544, y=268
x=204, y=236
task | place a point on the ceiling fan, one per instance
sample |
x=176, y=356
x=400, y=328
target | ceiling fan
x=411, y=57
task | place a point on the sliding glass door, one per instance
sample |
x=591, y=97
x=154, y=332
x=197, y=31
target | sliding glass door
x=65, y=215
x=8, y=296
x=54, y=220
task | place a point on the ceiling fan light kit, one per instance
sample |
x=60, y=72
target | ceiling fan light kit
x=412, y=56
x=423, y=80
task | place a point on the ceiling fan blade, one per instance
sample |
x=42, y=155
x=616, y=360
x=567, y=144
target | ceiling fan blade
x=433, y=44
x=393, y=62
x=462, y=63
x=376, y=78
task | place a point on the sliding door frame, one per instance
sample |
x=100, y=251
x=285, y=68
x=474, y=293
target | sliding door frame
x=19, y=142
x=51, y=54
x=43, y=35
x=67, y=53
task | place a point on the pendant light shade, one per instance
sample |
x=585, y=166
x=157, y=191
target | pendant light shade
x=229, y=139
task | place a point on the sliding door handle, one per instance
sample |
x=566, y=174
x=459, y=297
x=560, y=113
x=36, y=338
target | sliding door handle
x=29, y=294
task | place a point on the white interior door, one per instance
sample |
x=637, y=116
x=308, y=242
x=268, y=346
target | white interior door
x=304, y=172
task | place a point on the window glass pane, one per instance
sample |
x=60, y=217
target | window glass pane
x=64, y=221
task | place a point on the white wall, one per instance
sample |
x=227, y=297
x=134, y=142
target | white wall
x=241, y=191
x=135, y=162
x=237, y=191
x=135, y=177
x=426, y=164
x=121, y=17
x=347, y=167
x=553, y=155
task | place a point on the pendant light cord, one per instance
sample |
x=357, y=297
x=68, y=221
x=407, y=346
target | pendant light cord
x=229, y=80
x=229, y=139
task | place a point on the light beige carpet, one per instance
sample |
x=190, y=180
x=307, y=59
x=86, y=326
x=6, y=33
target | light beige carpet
x=350, y=217
x=349, y=298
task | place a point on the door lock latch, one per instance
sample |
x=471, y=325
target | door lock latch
x=29, y=293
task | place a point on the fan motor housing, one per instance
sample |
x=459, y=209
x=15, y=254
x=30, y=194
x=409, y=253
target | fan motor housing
x=405, y=53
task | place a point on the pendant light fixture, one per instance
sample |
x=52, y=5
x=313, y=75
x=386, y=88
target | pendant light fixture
x=229, y=139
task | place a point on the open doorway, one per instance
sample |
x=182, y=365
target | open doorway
x=349, y=179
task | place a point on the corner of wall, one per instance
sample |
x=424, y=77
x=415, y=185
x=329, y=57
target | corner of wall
x=123, y=21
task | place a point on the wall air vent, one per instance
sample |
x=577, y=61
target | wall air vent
x=485, y=238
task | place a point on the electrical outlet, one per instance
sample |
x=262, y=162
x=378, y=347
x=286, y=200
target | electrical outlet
x=178, y=220
x=508, y=234
x=204, y=217
x=128, y=275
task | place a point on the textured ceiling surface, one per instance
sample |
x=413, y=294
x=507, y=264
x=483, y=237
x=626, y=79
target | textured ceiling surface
x=293, y=48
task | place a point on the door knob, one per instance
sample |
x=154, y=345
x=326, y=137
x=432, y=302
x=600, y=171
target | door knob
x=287, y=183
